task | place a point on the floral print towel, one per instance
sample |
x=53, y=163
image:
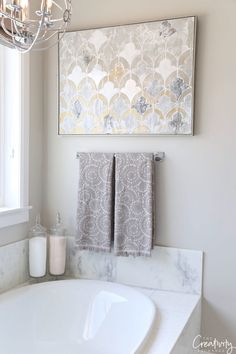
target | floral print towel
x=95, y=205
x=133, y=226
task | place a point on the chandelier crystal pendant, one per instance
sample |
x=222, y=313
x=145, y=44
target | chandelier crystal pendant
x=25, y=28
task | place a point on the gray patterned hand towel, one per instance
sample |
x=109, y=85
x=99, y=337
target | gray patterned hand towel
x=94, y=213
x=133, y=204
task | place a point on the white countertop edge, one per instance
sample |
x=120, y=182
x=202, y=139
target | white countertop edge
x=175, y=310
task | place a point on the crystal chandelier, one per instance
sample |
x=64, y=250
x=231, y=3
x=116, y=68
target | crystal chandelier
x=26, y=28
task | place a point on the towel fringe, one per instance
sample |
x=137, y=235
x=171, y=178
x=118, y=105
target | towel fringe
x=93, y=249
x=132, y=253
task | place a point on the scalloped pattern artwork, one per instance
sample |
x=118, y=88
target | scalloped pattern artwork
x=133, y=80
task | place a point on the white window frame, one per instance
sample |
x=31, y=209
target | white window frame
x=14, y=207
x=1, y=134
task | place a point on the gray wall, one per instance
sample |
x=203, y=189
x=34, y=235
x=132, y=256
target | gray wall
x=19, y=232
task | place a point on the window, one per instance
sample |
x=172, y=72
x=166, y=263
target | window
x=14, y=90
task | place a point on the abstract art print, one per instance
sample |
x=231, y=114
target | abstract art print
x=128, y=80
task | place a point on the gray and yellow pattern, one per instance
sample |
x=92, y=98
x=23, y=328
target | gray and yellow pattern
x=134, y=79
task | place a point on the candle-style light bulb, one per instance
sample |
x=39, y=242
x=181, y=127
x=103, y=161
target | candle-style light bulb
x=9, y=4
x=1, y=5
x=13, y=3
x=46, y=5
x=49, y=5
x=24, y=9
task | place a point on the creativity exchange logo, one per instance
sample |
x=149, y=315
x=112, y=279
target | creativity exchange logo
x=213, y=345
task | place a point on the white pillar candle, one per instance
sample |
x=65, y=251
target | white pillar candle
x=37, y=256
x=57, y=254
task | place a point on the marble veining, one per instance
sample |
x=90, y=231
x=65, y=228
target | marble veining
x=13, y=265
x=90, y=265
x=168, y=268
x=188, y=273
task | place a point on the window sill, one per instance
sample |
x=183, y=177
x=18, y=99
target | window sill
x=13, y=216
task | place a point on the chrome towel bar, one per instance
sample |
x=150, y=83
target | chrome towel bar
x=158, y=156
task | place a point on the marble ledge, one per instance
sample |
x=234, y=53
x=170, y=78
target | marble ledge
x=13, y=265
x=178, y=319
x=168, y=269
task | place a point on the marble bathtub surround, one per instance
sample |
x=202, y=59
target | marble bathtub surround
x=14, y=267
x=170, y=269
x=177, y=270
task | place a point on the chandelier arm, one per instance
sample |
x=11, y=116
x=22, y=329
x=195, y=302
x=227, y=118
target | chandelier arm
x=9, y=17
x=13, y=37
x=61, y=34
x=55, y=32
x=57, y=20
x=15, y=26
x=51, y=45
x=9, y=33
x=41, y=40
x=42, y=37
x=57, y=5
x=62, y=30
x=14, y=29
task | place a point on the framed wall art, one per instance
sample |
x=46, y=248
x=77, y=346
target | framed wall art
x=128, y=80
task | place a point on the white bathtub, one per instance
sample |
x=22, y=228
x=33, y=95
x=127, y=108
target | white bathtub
x=74, y=317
